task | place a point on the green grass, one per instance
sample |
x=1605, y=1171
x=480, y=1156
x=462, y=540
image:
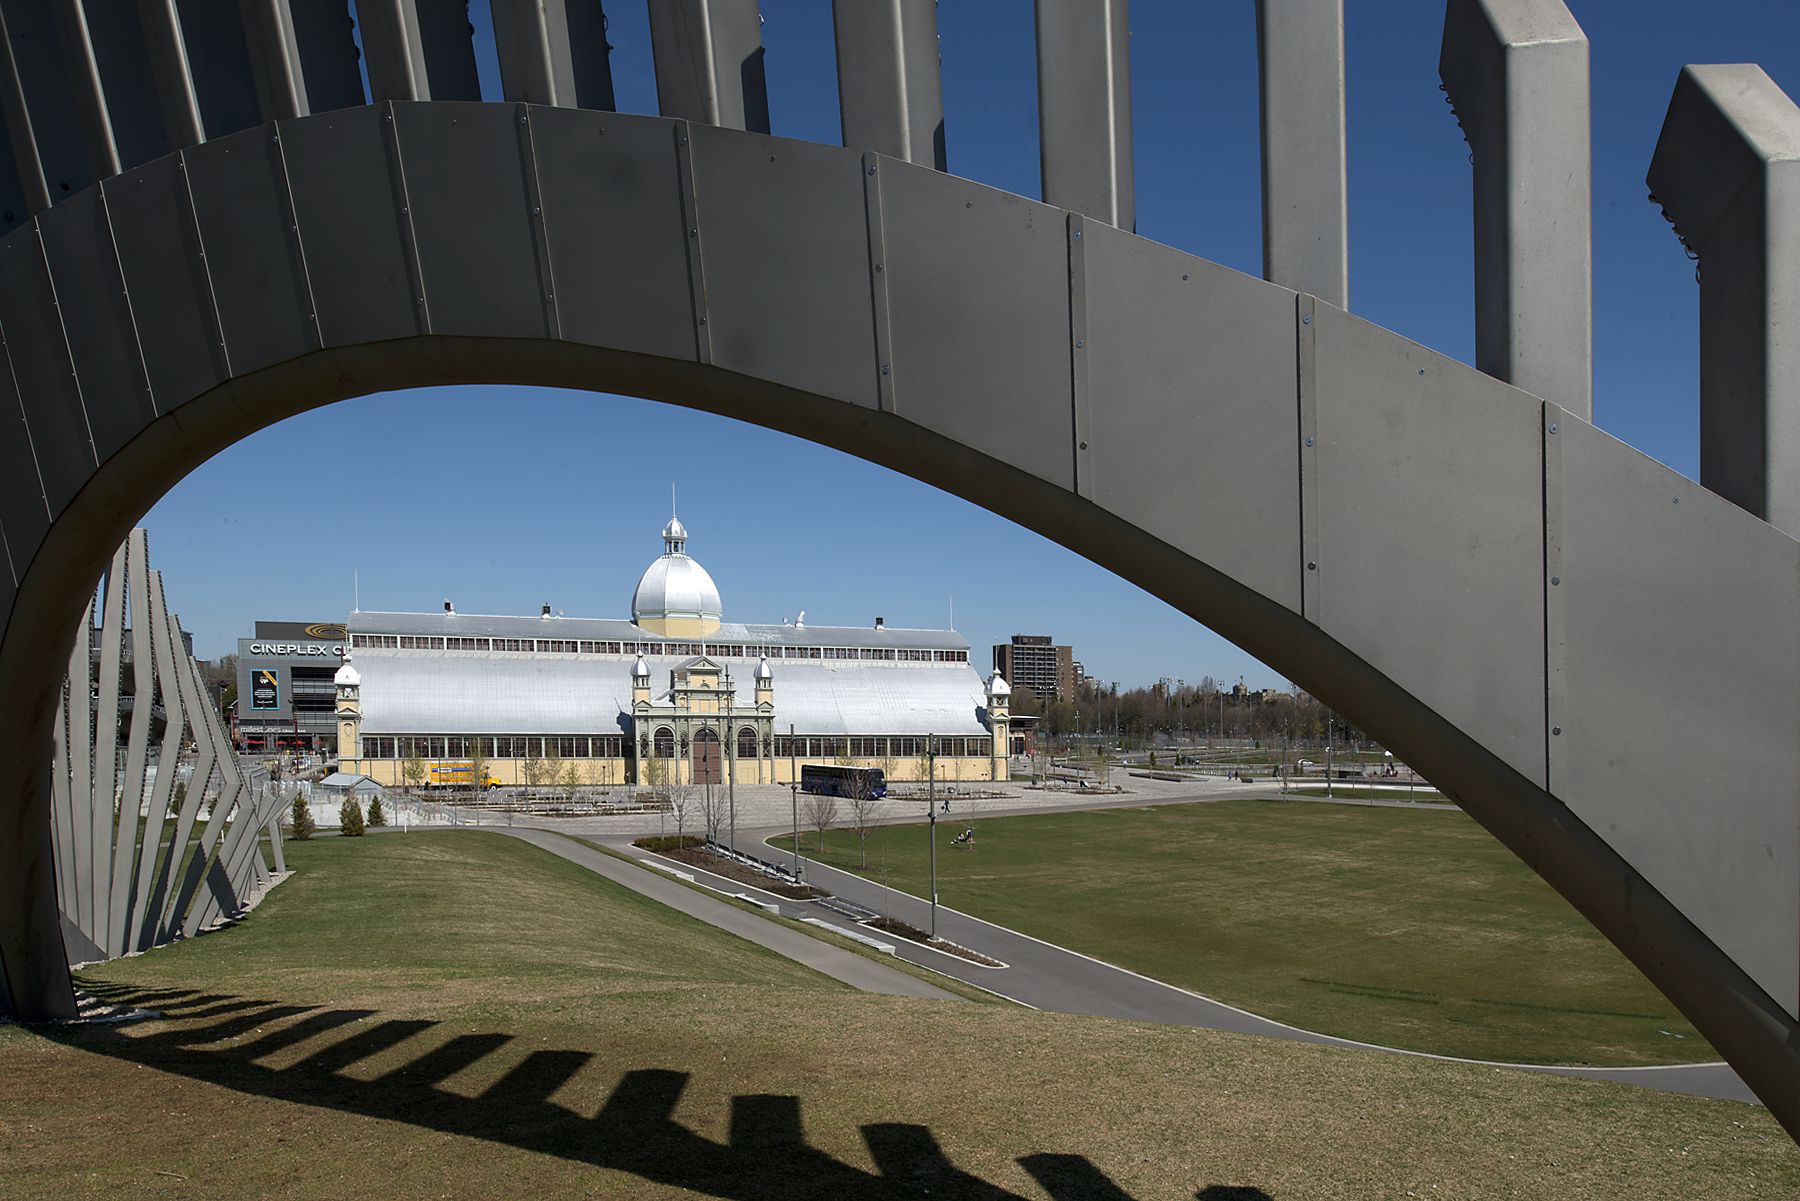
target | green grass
x=354, y=909
x=1369, y=792
x=1409, y=928
x=459, y=1014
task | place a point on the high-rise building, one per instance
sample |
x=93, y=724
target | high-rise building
x=1037, y=663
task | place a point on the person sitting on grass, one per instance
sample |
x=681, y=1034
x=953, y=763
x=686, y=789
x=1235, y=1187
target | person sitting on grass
x=966, y=838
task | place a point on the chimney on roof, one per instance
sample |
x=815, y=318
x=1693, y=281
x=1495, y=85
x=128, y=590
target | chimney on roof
x=881, y=623
x=546, y=611
x=449, y=608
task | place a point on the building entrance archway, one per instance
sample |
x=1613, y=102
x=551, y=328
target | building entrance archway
x=708, y=758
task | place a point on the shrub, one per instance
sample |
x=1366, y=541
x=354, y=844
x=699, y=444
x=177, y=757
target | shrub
x=377, y=815
x=350, y=818
x=302, y=820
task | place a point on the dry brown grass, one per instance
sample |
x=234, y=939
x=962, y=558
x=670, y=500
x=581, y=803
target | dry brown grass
x=672, y=1077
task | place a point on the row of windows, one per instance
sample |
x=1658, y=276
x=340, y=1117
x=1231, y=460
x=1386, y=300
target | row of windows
x=895, y=746
x=569, y=646
x=494, y=746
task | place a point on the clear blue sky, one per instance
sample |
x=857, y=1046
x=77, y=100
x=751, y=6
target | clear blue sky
x=505, y=498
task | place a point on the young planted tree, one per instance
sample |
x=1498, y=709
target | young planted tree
x=412, y=768
x=571, y=778
x=300, y=821
x=350, y=819
x=479, y=767
x=377, y=815
x=713, y=810
x=862, y=816
x=821, y=811
x=681, y=803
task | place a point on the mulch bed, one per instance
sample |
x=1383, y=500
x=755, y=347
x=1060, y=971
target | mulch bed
x=737, y=873
x=900, y=929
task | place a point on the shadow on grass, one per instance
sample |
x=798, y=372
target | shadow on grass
x=765, y=1157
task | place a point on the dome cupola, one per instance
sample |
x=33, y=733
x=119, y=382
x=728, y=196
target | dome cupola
x=347, y=676
x=676, y=597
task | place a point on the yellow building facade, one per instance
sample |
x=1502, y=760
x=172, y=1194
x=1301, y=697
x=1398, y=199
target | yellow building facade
x=673, y=695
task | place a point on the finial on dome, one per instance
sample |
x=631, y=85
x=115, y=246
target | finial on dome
x=347, y=676
x=997, y=685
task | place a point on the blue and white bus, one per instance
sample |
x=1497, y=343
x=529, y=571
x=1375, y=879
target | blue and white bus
x=829, y=779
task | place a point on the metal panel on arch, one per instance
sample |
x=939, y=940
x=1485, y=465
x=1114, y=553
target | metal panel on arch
x=1214, y=350
x=978, y=301
x=1638, y=653
x=1426, y=487
x=785, y=245
x=474, y=228
x=612, y=200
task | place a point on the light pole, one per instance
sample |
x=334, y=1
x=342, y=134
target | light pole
x=794, y=796
x=931, y=808
x=731, y=753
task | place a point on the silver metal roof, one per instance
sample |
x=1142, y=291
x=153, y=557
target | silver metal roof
x=448, y=692
x=482, y=625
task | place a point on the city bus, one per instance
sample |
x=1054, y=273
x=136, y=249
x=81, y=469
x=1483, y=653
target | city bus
x=829, y=779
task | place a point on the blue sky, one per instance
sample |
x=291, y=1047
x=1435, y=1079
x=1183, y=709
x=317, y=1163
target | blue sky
x=506, y=498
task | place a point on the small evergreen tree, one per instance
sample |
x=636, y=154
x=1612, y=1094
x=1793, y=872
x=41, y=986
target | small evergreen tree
x=302, y=819
x=350, y=818
x=377, y=815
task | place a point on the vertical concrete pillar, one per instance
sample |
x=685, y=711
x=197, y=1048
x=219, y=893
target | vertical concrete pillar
x=1300, y=50
x=1727, y=174
x=1516, y=72
x=1084, y=108
x=890, y=89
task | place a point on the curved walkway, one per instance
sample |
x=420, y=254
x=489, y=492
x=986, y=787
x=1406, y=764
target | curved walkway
x=1045, y=976
x=858, y=971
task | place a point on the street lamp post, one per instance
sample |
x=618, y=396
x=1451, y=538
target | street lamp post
x=731, y=753
x=931, y=806
x=794, y=796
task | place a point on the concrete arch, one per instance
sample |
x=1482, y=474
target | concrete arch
x=1510, y=598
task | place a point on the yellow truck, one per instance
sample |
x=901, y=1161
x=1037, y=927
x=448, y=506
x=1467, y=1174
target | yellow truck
x=455, y=774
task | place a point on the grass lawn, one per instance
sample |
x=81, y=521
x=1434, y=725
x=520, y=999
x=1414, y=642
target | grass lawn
x=1410, y=928
x=461, y=1015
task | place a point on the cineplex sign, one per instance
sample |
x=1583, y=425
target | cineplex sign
x=312, y=649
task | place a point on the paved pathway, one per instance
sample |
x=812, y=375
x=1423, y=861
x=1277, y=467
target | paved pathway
x=1046, y=976
x=858, y=971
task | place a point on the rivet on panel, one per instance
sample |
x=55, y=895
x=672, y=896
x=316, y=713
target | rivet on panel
x=871, y=169
x=1555, y=579
x=1084, y=446
x=1309, y=440
x=884, y=369
x=536, y=211
x=1311, y=566
x=1553, y=427
x=1556, y=729
x=1306, y=320
x=1078, y=235
x=1080, y=342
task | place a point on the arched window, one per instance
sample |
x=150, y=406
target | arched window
x=664, y=743
x=746, y=743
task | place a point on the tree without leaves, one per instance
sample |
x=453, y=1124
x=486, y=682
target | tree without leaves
x=821, y=810
x=862, y=816
x=713, y=810
x=681, y=805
